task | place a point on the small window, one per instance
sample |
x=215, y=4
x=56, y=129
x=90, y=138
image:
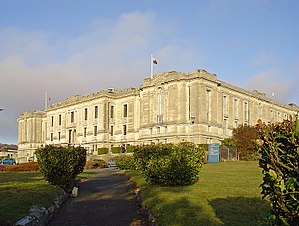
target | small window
x=72, y=117
x=111, y=130
x=124, y=129
x=95, y=131
x=112, y=112
x=59, y=120
x=51, y=136
x=52, y=121
x=59, y=135
x=125, y=110
x=96, y=111
x=85, y=114
x=85, y=132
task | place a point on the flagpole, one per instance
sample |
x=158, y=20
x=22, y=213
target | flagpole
x=152, y=66
x=46, y=100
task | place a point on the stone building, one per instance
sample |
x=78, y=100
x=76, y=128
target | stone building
x=169, y=108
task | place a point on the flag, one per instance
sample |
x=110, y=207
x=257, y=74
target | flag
x=155, y=61
x=49, y=98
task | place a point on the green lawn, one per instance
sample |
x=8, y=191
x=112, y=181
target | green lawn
x=20, y=190
x=227, y=193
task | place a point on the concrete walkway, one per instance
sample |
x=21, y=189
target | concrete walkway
x=106, y=199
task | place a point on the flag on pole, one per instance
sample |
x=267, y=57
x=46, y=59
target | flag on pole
x=153, y=61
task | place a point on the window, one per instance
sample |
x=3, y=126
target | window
x=208, y=103
x=95, y=130
x=158, y=130
x=236, y=108
x=72, y=117
x=70, y=136
x=125, y=110
x=124, y=129
x=111, y=130
x=85, y=114
x=225, y=105
x=51, y=136
x=59, y=120
x=112, y=112
x=59, y=135
x=160, y=105
x=96, y=112
x=235, y=123
x=224, y=126
x=52, y=121
x=85, y=131
x=246, y=112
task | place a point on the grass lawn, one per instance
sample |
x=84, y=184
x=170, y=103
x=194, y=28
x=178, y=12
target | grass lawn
x=20, y=190
x=227, y=193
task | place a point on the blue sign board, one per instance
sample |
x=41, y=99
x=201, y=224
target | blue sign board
x=213, y=153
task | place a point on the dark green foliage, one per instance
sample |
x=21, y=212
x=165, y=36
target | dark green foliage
x=130, y=149
x=278, y=145
x=125, y=162
x=116, y=150
x=103, y=151
x=229, y=142
x=61, y=165
x=170, y=165
x=245, y=137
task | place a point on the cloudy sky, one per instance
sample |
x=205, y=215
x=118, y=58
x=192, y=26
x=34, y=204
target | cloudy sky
x=68, y=47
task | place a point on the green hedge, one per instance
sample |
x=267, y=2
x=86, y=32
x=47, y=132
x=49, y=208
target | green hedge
x=130, y=149
x=278, y=145
x=125, y=162
x=116, y=150
x=103, y=151
x=61, y=165
x=170, y=165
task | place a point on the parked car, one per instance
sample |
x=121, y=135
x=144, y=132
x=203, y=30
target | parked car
x=111, y=163
x=8, y=161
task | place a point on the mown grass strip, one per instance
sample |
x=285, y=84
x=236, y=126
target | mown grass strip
x=227, y=193
x=20, y=190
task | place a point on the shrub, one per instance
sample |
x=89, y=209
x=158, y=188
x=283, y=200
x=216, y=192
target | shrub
x=29, y=166
x=130, y=149
x=116, y=150
x=61, y=165
x=245, y=137
x=125, y=162
x=103, y=151
x=170, y=165
x=278, y=145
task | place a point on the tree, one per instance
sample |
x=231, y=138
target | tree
x=61, y=165
x=245, y=137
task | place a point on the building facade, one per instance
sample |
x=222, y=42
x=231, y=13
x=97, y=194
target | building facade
x=169, y=108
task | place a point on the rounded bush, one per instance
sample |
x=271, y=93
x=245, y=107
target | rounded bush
x=125, y=162
x=61, y=165
x=170, y=165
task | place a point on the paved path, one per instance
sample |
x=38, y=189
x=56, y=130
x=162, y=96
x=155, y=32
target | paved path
x=106, y=199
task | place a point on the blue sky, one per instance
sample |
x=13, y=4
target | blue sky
x=68, y=47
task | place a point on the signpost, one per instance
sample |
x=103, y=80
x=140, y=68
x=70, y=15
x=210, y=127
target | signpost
x=213, y=153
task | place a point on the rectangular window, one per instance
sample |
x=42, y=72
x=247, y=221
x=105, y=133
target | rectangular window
x=70, y=136
x=51, y=136
x=52, y=121
x=208, y=103
x=85, y=114
x=224, y=126
x=59, y=135
x=124, y=129
x=236, y=108
x=225, y=105
x=246, y=112
x=111, y=130
x=59, y=120
x=85, y=131
x=72, y=117
x=96, y=111
x=125, y=110
x=95, y=131
x=111, y=111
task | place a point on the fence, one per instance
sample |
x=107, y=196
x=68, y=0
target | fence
x=228, y=153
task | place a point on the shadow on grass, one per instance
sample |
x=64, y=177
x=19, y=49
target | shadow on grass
x=241, y=210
